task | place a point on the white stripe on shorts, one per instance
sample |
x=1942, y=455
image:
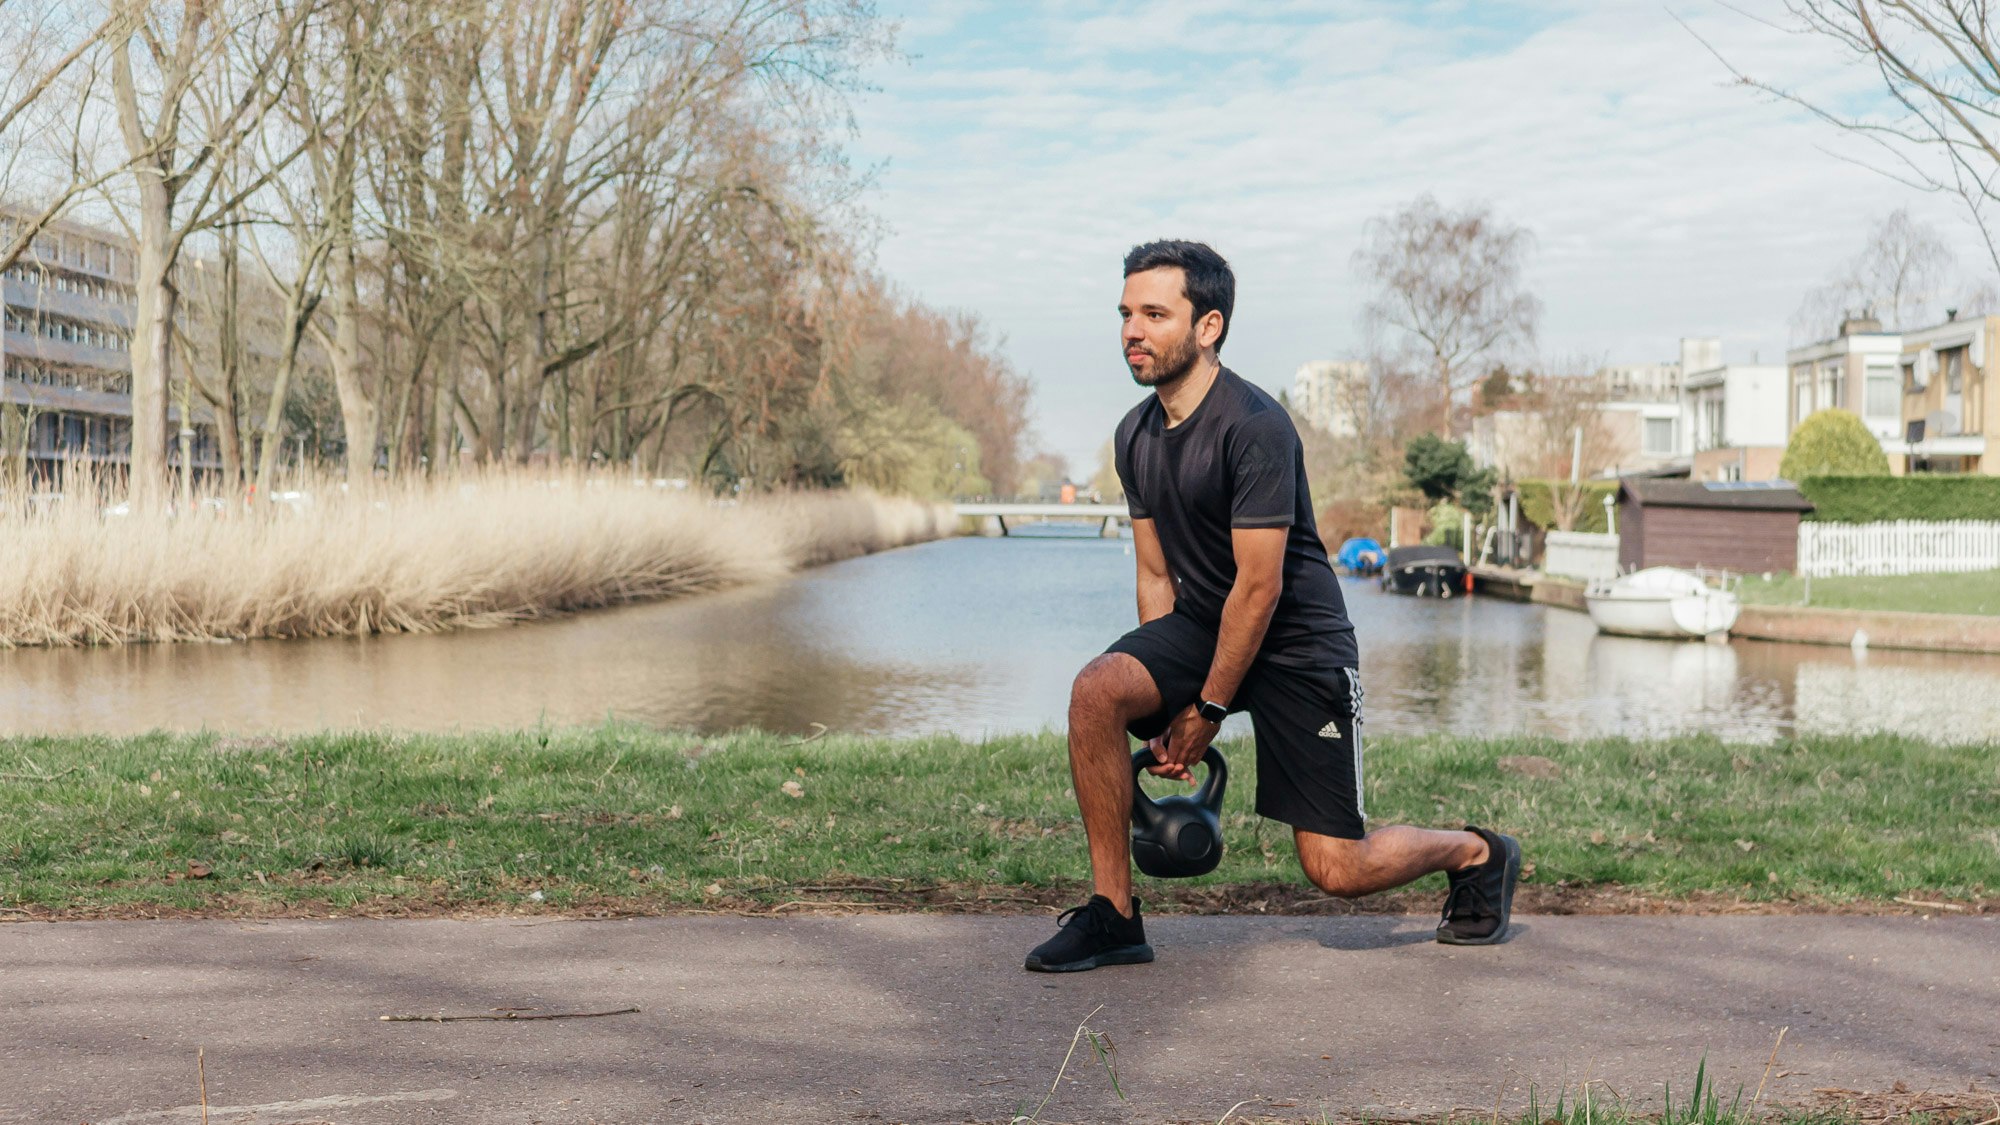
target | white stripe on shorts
x=1354, y=705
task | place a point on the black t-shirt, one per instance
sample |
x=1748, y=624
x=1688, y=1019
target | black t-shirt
x=1235, y=462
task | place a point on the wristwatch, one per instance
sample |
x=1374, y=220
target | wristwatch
x=1212, y=711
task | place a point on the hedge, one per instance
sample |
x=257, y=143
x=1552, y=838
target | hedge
x=1538, y=505
x=1873, y=499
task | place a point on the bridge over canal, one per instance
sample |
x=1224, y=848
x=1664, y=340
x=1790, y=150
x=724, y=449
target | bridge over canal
x=995, y=516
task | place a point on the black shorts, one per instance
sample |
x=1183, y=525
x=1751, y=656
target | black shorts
x=1307, y=722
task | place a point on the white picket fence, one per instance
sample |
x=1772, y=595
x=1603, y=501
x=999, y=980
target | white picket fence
x=1898, y=547
x=1580, y=554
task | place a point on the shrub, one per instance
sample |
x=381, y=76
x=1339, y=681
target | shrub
x=1538, y=503
x=1870, y=499
x=1833, y=443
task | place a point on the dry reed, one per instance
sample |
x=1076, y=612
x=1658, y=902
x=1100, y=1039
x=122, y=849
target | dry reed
x=421, y=556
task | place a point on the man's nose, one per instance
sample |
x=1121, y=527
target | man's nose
x=1131, y=331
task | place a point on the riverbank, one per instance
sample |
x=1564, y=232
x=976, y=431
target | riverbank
x=621, y=820
x=1976, y=594
x=1766, y=617
x=421, y=556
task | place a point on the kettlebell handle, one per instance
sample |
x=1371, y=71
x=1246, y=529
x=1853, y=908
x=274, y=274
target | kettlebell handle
x=1209, y=796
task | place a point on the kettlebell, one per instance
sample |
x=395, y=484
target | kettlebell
x=1179, y=837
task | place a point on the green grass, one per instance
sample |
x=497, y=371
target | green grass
x=1975, y=593
x=625, y=818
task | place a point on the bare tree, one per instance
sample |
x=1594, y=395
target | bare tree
x=1449, y=282
x=1939, y=62
x=1902, y=276
x=51, y=72
x=178, y=169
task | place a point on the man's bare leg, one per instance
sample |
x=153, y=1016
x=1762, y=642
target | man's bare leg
x=1110, y=692
x=1385, y=858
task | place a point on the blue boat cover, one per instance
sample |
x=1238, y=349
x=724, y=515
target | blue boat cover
x=1351, y=553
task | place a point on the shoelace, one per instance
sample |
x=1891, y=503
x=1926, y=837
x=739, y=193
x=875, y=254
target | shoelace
x=1092, y=923
x=1483, y=904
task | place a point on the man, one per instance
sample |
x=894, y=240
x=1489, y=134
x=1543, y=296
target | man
x=1239, y=610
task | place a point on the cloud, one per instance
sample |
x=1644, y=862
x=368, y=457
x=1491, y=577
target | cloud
x=1027, y=148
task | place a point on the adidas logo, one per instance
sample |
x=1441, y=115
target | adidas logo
x=1330, y=730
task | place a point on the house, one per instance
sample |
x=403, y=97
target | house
x=1858, y=370
x=1745, y=526
x=1732, y=415
x=1946, y=414
x=65, y=351
x=1636, y=409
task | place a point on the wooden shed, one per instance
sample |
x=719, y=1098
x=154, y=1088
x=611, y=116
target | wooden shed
x=1746, y=526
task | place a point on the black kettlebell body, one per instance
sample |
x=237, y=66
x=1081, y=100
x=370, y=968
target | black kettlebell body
x=1179, y=837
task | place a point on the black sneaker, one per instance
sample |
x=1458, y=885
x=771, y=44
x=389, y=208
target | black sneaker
x=1481, y=898
x=1093, y=934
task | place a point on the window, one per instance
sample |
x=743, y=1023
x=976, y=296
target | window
x=1708, y=421
x=1951, y=363
x=1659, y=436
x=1884, y=397
x=1802, y=402
x=1833, y=383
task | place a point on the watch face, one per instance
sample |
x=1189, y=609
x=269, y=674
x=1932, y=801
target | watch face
x=1213, y=712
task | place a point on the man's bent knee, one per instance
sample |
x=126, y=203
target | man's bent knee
x=1113, y=687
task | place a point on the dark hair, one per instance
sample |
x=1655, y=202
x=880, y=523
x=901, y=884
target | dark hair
x=1206, y=279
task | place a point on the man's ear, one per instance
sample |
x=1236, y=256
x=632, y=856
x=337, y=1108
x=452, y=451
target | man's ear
x=1209, y=328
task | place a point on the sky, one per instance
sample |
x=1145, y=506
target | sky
x=1018, y=149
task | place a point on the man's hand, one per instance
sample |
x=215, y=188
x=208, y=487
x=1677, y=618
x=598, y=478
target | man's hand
x=1182, y=746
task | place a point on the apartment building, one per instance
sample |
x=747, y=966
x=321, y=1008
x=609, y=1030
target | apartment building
x=66, y=315
x=1858, y=370
x=1946, y=413
x=1732, y=415
x=1330, y=395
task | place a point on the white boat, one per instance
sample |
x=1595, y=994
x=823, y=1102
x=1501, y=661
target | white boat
x=1660, y=601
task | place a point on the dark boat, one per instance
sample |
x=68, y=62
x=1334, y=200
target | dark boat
x=1435, y=572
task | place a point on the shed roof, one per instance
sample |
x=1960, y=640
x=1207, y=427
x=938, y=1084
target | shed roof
x=1755, y=496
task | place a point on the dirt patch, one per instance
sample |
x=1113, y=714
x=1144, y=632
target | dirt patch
x=861, y=895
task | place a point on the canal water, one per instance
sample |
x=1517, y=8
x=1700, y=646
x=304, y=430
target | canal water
x=976, y=636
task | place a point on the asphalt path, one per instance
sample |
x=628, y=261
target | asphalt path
x=928, y=1018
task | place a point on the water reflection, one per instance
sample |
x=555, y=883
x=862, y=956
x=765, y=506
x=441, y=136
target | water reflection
x=976, y=636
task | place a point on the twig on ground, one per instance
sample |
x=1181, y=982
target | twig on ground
x=510, y=1015
x=1232, y=1110
x=201, y=1079
x=876, y=887
x=1929, y=905
x=819, y=731
x=1767, y=1069
x=829, y=902
x=1082, y=1026
x=607, y=769
x=37, y=776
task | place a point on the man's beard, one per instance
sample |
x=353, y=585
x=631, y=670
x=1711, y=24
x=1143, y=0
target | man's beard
x=1172, y=366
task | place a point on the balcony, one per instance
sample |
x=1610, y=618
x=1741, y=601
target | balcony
x=73, y=306
x=34, y=346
